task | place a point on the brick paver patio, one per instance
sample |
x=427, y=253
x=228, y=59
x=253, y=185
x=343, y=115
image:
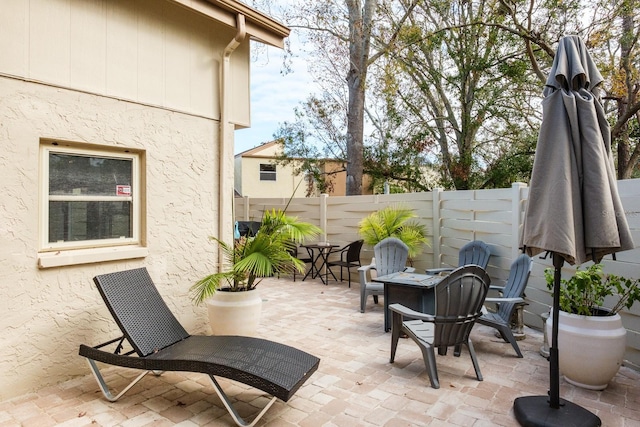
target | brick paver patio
x=354, y=386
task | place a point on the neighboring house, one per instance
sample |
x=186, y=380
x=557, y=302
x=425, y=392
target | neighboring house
x=117, y=120
x=258, y=175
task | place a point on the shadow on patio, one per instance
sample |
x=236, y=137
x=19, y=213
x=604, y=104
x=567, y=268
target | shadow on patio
x=354, y=386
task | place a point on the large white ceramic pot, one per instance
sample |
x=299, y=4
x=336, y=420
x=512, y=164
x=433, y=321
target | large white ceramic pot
x=590, y=348
x=234, y=313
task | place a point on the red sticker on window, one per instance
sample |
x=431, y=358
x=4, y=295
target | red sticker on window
x=123, y=190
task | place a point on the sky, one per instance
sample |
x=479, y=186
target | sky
x=273, y=97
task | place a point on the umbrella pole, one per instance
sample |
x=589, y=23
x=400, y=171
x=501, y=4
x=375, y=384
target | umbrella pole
x=550, y=411
x=554, y=361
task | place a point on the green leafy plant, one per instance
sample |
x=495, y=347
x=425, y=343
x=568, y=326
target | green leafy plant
x=394, y=221
x=268, y=253
x=584, y=293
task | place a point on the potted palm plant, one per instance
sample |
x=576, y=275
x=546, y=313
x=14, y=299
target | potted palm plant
x=394, y=221
x=587, y=327
x=232, y=299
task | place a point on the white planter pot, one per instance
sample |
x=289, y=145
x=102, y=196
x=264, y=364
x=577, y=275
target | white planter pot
x=234, y=313
x=590, y=348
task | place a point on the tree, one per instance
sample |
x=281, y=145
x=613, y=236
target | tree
x=407, y=137
x=462, y=85
x=314, y=138
x=625, y=86
x=457, y=85
x=612, y=36
x=335, y=30
x=339, y=33
x=360, y=27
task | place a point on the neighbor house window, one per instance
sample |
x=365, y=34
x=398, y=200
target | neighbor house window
x=91, y=197
x=267, y=172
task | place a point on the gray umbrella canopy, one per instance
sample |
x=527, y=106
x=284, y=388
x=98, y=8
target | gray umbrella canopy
x=573, y=207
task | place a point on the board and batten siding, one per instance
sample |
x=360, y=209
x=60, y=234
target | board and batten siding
x=454, y=218
x=152, y=52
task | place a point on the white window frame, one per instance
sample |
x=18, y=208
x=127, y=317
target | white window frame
x=89, y=250
x=273, y=173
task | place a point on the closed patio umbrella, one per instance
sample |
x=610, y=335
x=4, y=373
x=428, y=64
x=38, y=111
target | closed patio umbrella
x=573, y=209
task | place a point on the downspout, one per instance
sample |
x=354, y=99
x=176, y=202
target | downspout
x=225, y=140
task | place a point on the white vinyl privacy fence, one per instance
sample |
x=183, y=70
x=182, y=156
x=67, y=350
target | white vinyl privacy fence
x=454, y=218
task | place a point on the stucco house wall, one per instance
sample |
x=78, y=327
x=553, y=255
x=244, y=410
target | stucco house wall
x=137, y=75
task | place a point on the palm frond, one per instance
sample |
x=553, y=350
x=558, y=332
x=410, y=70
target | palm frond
x=249, y=259
x=394, y=221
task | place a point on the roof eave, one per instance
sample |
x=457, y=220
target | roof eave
x=259, y=26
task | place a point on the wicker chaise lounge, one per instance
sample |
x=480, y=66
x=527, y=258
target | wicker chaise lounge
x=159, y=343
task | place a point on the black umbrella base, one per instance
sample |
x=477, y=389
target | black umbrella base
x=535, y=411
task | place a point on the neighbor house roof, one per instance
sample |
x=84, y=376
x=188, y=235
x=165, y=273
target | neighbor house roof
x=259, y=26
x=255, y=151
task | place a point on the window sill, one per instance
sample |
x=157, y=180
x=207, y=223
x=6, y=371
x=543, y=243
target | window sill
x=86, y=256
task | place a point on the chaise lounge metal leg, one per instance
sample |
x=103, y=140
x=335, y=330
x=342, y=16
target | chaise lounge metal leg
x=234, y=414
x=225, y=400
x=103, y=385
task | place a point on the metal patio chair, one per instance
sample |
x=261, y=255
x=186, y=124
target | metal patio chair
x=349, y=258
x=294, y=252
